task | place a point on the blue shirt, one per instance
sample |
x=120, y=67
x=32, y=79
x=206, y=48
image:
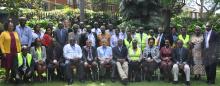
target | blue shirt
x=25, y=35
x=104, y=52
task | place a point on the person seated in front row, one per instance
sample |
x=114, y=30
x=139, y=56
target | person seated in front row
x=90, y=58
x=120, y=53
x=105, y=59
x=180, y=58
x=150, y=60
x=24, y=66
x=39, y=55
x=134, y=57
x=55, y=62
x=73, y=58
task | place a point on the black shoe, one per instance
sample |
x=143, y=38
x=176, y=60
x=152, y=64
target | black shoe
x=212, y=82
x=187, y=83
x=125, y=82
x=175, y=82
x=113, y=80
x=70, y=82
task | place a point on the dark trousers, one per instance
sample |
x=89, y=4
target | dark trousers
x=134, y=71
x=23, y=75
x=60, y=71
x=69, y=71
x=211, y=72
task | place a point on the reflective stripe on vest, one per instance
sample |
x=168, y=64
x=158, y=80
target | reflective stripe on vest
x=134, y=55
x=185, y=41
x=20, y=59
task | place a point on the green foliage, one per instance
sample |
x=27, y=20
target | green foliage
x=183, y=21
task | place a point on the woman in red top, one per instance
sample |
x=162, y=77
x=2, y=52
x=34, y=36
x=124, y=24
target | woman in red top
x=47, y=38
x=166, y=63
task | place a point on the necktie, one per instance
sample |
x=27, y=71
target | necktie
x=90, y=54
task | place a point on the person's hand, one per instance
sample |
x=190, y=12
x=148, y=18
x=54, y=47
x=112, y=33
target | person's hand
x=17, y=76
x=40, y=62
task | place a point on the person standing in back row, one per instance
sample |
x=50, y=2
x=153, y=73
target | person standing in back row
x=209, y=51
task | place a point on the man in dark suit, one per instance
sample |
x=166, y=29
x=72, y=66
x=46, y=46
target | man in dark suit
x=209, y=51
x=61, y=35
x=180, y=58
x=120, y=54
x=90, y=58
x=88, y=36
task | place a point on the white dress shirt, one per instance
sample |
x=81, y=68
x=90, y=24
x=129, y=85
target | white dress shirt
x=207, y=37
x=71, y=52
x=114, y=40
x=97, y=31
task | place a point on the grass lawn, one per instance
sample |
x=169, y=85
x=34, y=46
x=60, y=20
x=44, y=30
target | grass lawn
x=109, y=83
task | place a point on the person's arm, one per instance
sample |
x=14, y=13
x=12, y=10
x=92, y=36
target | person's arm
x=84, y=54
x=2, y=38
x=79, y=50
x=29, y=37
x=112, y=41
x=65, y=52
x=156, y=57
x=174, y=56
x=110, y=53
x=44, y=54
x=32, y=52
x=99, y=55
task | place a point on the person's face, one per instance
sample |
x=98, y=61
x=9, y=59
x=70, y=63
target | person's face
x=104, y=43
x=37, y=28
x=173, y=30
x=117, y=32
x=151, y=43
x=96, y=25
x=49, y=31
x=183, y=30
x=22, y=22
x=141, y=29
x=120, y=42
x=72, y=42
x=134, y=44
x=60, y=26
x=123, y=30
x=151, y=32
x=89, y=30
x=208, y=27
x=167, y=43
x=24, y=51
x=160, y=30
x=197, y=31
x=38, y=42
x=66, y=23
x=81, y=25
x=10, y=27
x=88, y=43
x=110, y=26
x=180, y=44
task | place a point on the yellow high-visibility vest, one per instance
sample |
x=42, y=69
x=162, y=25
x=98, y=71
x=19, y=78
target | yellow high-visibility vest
x=20, y=59
x=141, y=42
x=185, y=41
x=134, y=55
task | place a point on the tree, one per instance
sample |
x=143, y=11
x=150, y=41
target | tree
x=154, y=13
x=210, y=6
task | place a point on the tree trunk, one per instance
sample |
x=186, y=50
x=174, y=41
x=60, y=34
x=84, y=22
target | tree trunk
x=201, y=9
x=74, y=4
x=82, y=12
x=166, y=20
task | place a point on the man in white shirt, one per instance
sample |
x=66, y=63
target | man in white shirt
x=105, y=59
x=114, y=39
x=72, y=53
x=96, y=28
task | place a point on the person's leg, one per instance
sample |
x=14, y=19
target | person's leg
x=125, y=68
x=50, y=71
x=187, y=72
x=121, y=71
x=175, y=72
x=207, y=67
x=102, y=70
x=213, y=73
x=69, y=73
x=113, y=64
x=80, y=68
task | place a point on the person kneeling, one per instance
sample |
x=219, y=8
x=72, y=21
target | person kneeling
x=24, y=66
x=39, y=55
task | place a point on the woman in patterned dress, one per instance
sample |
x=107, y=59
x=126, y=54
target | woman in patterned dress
x=196, y=41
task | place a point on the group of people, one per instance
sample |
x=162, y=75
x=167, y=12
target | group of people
x=96, y=51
